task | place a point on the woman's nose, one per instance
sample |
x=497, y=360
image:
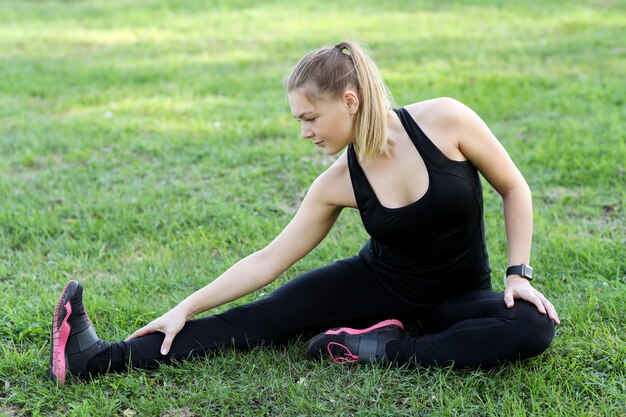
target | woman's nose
x=306, y=132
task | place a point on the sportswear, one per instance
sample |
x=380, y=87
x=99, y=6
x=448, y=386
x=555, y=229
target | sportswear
x=435, y=247
x=74, y=340
x=346, y=345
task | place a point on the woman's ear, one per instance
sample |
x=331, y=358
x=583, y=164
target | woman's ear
x=352, y=101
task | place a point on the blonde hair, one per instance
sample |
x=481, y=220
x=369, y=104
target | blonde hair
x=330, y=71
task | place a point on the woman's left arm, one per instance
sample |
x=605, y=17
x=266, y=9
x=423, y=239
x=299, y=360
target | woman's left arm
x=478, y=144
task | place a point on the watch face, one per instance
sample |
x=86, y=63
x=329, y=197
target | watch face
x=527, y=271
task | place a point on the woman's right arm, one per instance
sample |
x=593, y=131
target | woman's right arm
x=310, y=225
x=306, y=230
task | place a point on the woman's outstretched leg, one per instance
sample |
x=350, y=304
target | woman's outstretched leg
x=338, y=294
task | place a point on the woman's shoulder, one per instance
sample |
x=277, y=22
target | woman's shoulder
x=337, y=174
x=442, y=120
x=440, y=109
x=334, y=184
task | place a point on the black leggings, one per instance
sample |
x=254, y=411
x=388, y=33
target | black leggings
x=469, y=330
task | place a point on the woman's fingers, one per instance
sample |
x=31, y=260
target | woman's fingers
x=141, y=332
x=550, y=309
x=508, y=298
x=150, y=328
x=136, y=333
x=169, y=324
x=538, y=303
x=528, y=293
x=167, y=343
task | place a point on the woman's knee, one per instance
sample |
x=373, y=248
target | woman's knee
x=535, y=330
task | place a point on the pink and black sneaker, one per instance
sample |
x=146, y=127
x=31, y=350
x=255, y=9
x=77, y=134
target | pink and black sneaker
x=74, y=340
x=345, y=345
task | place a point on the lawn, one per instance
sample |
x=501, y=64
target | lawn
x=148, y=145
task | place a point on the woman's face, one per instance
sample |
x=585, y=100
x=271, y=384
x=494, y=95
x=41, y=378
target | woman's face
x=328, y=123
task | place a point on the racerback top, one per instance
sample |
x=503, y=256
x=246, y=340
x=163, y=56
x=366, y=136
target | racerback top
x=435, y=247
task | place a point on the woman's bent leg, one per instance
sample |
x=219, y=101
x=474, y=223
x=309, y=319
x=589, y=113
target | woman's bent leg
x=477, y=329
x=338, y=294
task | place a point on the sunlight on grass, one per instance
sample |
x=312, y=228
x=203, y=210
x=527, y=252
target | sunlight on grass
x=147, y=147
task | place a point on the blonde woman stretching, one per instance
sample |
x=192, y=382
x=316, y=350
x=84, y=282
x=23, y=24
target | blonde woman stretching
x=412, y=173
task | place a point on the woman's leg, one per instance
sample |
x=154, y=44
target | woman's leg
x=477, y=329
x=338, y=294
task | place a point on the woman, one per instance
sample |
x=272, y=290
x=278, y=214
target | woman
x=412, y=174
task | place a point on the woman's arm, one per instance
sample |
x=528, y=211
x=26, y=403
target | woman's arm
x=478, y=144
x=310, y=225
x=306, y=230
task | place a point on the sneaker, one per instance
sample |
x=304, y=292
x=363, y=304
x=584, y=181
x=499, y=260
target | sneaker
x=74, y=340
x=345, y=345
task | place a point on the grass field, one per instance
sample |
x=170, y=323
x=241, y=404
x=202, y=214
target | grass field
x=148, y=145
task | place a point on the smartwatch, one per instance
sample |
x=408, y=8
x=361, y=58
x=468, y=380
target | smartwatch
x=523, y=270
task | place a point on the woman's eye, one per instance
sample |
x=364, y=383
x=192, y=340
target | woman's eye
x=309, y=120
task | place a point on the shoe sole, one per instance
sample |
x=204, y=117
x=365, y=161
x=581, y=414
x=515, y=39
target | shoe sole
x=348, y=330
x=61, y=333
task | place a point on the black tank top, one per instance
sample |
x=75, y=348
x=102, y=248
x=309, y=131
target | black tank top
x=435, y=247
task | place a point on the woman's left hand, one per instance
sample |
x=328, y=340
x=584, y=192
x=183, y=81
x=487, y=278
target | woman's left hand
x=521, y=288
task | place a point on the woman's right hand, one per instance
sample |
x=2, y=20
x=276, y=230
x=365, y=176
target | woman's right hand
x=169, y=324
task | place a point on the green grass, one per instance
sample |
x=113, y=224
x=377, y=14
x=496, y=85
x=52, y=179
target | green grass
x=146, y=146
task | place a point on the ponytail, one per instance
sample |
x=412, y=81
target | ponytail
x=331, y=71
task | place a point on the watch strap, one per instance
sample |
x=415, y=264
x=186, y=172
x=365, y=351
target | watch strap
x=522, y=270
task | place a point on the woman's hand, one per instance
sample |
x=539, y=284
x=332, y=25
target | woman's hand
x=518, y=287
x=169, y=324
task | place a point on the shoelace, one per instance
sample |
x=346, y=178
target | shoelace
x=346, y=356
